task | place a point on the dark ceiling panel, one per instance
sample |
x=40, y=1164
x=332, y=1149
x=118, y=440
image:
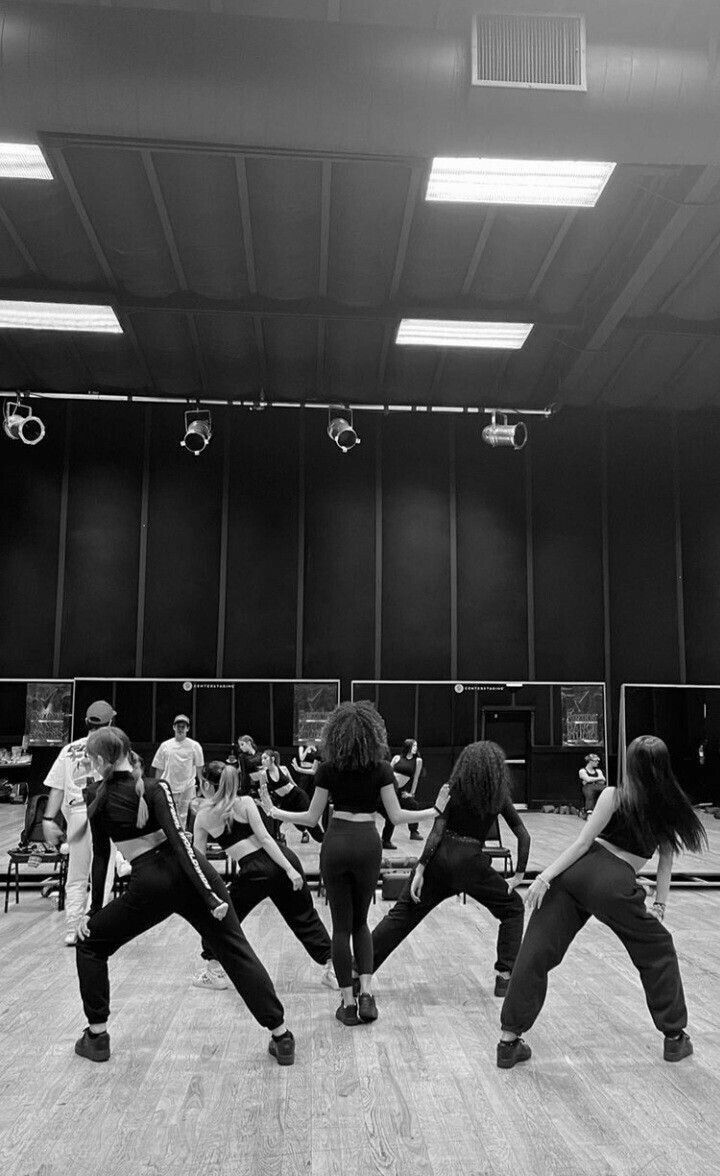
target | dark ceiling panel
x=686, y=284
x=470, y=377
x=409, y=375
x=230, y=354
x=45, y=220
x=14, y=371
x=53, y=358
x=291, y=346
x=110, y=362
x=648, y=369
x=13, y=266
x=697, y=385
x=285, y=216
x=520, y=240
x=115, y=191
x=440, y=249
x=166, y=344
x=353, y=355
x=367, y=206
x=201, y=195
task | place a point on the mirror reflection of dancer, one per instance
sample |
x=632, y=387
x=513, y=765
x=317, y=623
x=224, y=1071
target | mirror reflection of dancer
x=596, y=876
x=167, y=877
x=305, y=764
x=592, y=781
x=406, y=768
x=265, y=870
x=283, y=790
x=453, y=861
x=66, y=780
x=356, y=777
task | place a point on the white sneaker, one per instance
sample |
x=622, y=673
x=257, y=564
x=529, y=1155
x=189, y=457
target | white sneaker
x=123, y=868
x=328, y=976
x=210, y=979
x=71, y=939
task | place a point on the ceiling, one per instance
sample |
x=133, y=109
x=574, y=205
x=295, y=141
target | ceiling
x=282, y=271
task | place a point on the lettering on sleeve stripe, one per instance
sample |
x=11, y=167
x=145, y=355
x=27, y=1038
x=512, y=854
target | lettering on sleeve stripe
x=183, y=837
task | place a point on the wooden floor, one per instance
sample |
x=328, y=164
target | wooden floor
x=191, y=1091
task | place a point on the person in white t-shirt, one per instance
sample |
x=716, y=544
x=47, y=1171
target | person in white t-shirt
x=179, y=761
x=66, y=780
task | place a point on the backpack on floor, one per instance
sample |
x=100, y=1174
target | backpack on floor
x=32, y=830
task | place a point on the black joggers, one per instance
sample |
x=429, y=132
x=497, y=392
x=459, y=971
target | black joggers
x=350, y=860
x=159, y=888
x=458, y=866
x=259, y=877
x=603, y=885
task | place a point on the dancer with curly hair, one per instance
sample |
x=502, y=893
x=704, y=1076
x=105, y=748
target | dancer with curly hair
x=357, y=778
x=453, y=861
x=596, y=875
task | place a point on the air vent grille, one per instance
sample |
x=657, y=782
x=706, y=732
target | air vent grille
x=536, y=52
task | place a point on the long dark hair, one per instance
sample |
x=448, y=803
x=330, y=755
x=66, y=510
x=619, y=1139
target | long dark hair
x=354, y=736
x=479, y=780
x=113, y=745
x=408, y=746
x=653, y=803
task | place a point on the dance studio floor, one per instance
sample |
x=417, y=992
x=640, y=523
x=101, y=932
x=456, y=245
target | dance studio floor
x=191, y=1091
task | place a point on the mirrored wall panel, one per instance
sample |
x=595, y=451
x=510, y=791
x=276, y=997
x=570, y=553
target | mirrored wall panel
x=35, y=722
x=546, y=729
x=687, y=719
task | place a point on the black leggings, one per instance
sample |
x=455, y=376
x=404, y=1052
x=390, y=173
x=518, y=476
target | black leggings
x=159, y=888
x=350, y=864
x=405, y=801
x=297, y=801
x=603, y=885
x=459, y=866
x=259, y=877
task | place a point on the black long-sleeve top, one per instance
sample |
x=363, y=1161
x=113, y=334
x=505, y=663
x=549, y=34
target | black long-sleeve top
x=114, y=818
x=458, y=819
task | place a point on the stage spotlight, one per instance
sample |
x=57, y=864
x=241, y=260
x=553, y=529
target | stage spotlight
x=340, y=428
x=496, y=434
x=198, y=431
x=20, y=423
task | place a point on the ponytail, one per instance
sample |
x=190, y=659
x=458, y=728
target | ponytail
x=143, y=813
x=226, y=781
x=113, y=745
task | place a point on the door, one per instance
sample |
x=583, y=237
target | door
x=511, y=728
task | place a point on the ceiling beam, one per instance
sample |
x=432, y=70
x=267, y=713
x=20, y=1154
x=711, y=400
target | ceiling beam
x=18, y=242
x=172, y=248
x=551, y=254
x=323, y=268
x=244, y=203
x=700, y=193
x=62, y=169
x=414, y=188
x=480, y=247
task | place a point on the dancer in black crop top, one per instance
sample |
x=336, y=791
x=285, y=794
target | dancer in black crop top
x=264, y=870
x=168, y=877
x=406, y=769
x=284, y=791
x=596, y=876
x=356, y=777
x=453, y=861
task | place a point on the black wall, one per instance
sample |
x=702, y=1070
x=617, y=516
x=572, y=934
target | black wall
x=422, y=554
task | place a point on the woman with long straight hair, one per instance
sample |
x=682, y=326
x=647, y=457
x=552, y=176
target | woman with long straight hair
x=453, y=861
x=597, y=875
x=168, y=877
x=264, y=869
x=357, y=778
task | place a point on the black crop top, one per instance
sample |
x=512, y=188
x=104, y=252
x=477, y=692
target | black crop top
x=618, y=833
x=356, y=791
x=405, y=766
x=114, y=818
x=458, y=819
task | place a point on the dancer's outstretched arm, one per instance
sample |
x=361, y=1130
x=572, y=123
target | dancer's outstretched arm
x=401, y=816
x=309, y=817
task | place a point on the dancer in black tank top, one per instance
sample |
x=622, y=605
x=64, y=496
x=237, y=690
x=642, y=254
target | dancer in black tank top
x=283, y=790
x=406, y=769
x=596, y=876
x=264, y=870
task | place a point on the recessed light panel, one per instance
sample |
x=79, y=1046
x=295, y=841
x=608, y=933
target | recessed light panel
x=562, y=183
x=453, y=333
x=23, y=161
x=58, y=316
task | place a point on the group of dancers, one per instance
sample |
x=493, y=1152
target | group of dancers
x=595, y=876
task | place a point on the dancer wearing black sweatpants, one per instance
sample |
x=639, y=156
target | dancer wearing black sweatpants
x=168, y=877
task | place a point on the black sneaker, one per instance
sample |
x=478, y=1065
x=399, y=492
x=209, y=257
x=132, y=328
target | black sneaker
x=367, y=1009
x=347, y=1014
x=388, y=845
x=509, y=1053
x=501, y=984
x=416, y=836
x=95, y=1049
x=283, y=1049
x=677, y=1048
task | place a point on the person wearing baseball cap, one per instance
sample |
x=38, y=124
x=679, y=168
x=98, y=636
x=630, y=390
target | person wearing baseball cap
x=179, y=761
x=65, y=781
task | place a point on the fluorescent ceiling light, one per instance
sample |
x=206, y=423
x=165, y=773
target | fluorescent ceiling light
x=450, y=333
x=58, y=316
x=23, y=161
x=564, y=183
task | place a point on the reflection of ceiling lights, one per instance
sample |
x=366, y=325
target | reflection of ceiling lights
x=198, y=431
x=563, y=183
x=23, y=161
x=453, y=333
x=20, y=423
x=340, y=428
x=503, y=434
x=58, y=316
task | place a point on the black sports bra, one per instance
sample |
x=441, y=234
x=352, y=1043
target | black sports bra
x=238, y=831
